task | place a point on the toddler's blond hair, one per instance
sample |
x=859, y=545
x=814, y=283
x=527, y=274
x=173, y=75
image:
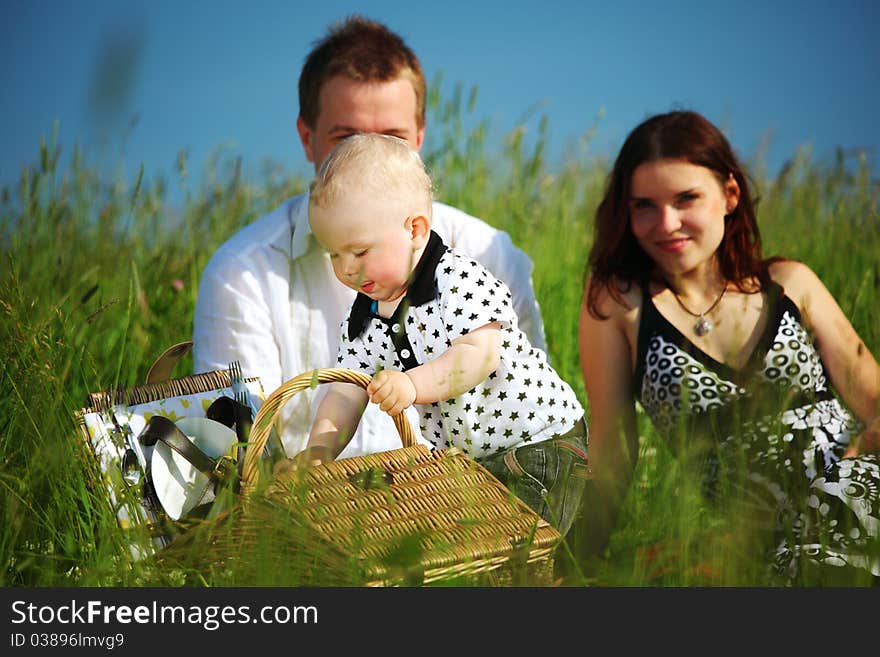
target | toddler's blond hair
x=384, y=166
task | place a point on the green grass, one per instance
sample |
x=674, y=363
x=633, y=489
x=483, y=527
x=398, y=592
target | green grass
x=98, y=276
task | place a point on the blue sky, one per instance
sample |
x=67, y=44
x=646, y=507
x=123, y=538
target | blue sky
x=201, y=75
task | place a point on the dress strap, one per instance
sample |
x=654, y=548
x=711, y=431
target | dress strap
x=778, y=303
x=648, y=322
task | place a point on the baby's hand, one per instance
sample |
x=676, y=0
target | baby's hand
x=393, y=391
x=309, y=457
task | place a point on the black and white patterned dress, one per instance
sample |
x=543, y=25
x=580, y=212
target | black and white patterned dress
x=523, y=401
x=779, y=417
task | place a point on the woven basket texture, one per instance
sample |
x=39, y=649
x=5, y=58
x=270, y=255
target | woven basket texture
x=186, y=385
x=410, y=514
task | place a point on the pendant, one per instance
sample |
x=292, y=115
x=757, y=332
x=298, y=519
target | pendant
x=702, y=327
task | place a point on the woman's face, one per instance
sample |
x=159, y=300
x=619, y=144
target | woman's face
x=677, y=211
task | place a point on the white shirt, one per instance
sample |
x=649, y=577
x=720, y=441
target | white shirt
x=268, y=298
x=523, y=401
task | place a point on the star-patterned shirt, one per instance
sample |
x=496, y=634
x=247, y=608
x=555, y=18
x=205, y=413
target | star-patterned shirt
x=523, y=401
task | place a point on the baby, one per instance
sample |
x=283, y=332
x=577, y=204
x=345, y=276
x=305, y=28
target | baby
x=436, y=330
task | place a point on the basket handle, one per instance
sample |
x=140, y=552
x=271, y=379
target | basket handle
x=163, y=367
x=262, y=424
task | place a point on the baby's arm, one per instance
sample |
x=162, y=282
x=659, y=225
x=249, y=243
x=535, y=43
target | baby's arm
x=468, y=361
x=335, y=423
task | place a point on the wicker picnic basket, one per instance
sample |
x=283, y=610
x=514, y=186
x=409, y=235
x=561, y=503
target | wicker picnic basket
x=454, y=518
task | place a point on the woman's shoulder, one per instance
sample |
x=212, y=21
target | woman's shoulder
x=795, y=278
x=784, y=270
x=803, y=287
x=608, y=330
x=617, y=299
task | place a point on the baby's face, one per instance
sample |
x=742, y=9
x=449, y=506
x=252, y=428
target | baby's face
x=370, y=246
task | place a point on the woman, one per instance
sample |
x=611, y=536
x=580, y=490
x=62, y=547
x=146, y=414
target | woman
x=735, y=359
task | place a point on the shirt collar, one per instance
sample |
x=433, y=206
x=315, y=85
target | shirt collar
x=419, y=292
x=301, y=232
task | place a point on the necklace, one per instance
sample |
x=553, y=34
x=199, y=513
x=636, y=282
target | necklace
x=703, y=325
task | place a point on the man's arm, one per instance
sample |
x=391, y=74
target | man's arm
x=495, y=251
x=232, y=321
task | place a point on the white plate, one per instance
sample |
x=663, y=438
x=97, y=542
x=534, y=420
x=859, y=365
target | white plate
x=179, y=485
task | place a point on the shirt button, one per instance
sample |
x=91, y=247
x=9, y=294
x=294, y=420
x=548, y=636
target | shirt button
x=395, y=328
x=405, y=353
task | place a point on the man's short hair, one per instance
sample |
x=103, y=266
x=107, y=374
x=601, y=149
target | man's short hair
x=383, y=166
x=362, y=50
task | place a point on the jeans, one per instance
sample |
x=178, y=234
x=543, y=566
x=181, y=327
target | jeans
x=549, y=476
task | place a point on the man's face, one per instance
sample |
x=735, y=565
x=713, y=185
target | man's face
x=348, y=107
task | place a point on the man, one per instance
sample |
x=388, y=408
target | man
x=269, y=299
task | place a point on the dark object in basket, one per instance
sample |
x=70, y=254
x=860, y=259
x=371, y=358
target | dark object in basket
x=112, y=420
